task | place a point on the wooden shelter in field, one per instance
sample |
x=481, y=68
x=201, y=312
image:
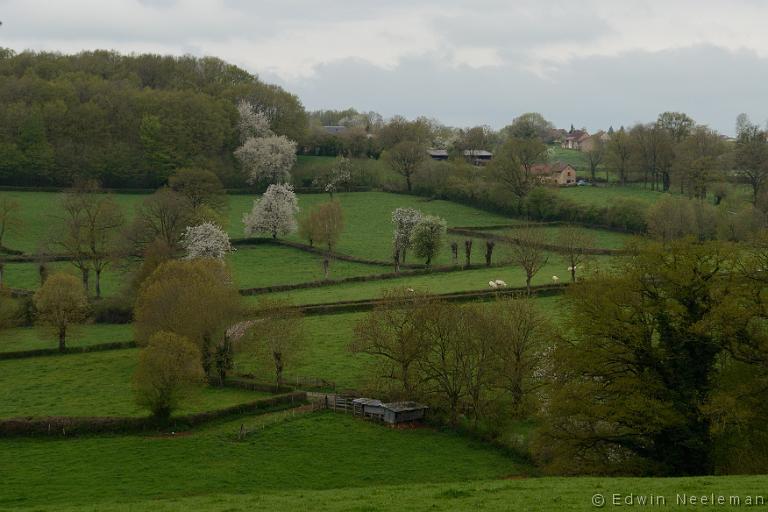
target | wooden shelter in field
x=391, y=413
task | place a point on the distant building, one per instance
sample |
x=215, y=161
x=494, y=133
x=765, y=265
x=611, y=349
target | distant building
x=438, y=154
x=478, y=156
x=588, y=144
x=558, y=173
x=335, y=130
x=574, y=139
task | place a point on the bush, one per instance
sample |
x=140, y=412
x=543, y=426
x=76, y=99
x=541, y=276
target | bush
x=169, y=370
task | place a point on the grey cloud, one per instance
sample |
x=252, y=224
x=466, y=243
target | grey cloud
x=711, y=84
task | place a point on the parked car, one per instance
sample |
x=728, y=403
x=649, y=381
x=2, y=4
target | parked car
x=582, y=183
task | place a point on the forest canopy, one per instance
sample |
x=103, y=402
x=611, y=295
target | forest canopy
x=127, y=120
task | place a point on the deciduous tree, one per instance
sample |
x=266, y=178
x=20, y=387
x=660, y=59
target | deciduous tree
x=427, y=237
x=274, y=213
x=195, y=299
x=167, y=374
x=405, y=158
x=61, y=303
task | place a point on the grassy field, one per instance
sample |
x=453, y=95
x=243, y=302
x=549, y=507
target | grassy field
x=32, y=338
x=299, y=455
x=575, y=158
x=327, y=356
x=320, y=461
x=603, y=239
x=529, y=494
x=269, y=265
x=465, y=280
x=93, y=384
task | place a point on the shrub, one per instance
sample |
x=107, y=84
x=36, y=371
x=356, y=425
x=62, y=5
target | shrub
x=168, y=372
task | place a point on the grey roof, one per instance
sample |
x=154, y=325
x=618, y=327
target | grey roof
x=437, y=152
x=367, y=401
x=335, y=129
x=477, y=152
x=404, y=406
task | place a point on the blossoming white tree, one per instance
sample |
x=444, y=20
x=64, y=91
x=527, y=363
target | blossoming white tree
x=253, y=122
x=404, y=220
x=274, y=213
x=266, y=157
x=206, y=241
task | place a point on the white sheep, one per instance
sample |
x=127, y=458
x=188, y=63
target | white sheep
x=500, y=283
x=493, y=284
x=410, y=290
x=555, y=279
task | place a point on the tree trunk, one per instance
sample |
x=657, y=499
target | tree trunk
x=528, y=283
x=489, y=245
x=468, y=252
x=98, y=284
x=573, y=273
x=62, y=338
x=2, y=266
x=326, y=267
x=408, y=181
x=396, y=258
x=278, y=358
x=86, y=274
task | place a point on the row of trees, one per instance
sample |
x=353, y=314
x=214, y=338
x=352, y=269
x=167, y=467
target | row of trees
x=658, y=369
x=478, y=361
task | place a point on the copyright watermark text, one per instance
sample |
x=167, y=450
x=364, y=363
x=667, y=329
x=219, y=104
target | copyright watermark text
x=605, y=500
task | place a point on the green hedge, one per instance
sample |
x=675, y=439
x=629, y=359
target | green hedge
x=100, y=347
x=77, y=426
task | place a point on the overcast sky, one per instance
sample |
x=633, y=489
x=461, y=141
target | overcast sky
x=592, y=63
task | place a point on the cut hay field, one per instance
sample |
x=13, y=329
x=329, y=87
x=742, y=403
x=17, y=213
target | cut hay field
x=299, y=455
x=91, y=384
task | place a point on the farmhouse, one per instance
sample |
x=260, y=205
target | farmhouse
x=558, y=173
x=574, y=139
x=478, y=156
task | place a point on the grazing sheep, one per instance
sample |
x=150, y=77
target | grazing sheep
x=410, y=290
x=493, y=284
x=555, y=279
x=501, y=283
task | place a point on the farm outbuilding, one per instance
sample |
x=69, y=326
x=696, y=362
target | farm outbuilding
x=402, y=412
x=368, y=408
x=392, y=413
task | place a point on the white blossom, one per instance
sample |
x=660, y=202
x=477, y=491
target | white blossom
x=206, y=241
x=253, y=123
x=267, y=159
x=274, y=213
x=404, y=220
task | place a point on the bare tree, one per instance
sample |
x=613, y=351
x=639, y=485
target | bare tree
x=528, y=253
x=10, y=220
x=393, y=332
x=595, y=156
x=573, y=240
x=405, y=158
x=92, y=222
